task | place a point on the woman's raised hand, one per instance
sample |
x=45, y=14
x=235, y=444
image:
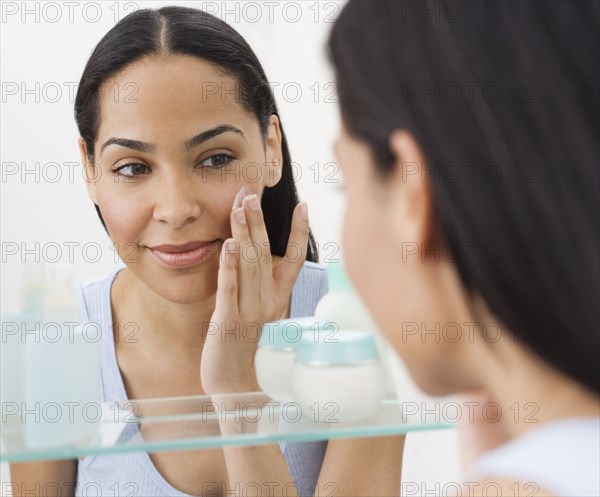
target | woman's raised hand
x=252, y=290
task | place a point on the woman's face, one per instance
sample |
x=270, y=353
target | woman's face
x=174, y=147
x=389, y=241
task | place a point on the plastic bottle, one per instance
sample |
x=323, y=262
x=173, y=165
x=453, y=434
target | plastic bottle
x=50, y=365
x=17, y=327
x=34, y=290
x=343, y=306
x=60, y=304
x=328, y=374
x=61, y=369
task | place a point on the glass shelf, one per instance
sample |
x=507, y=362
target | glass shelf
x=201, y=422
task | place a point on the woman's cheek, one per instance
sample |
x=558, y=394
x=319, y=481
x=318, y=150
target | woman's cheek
x=125, y=220
x=353, y=242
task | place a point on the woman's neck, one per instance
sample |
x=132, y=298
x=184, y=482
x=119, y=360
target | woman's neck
x=531, y=392
x=161, y=325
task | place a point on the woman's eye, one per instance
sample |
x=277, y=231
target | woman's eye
x=132, y=169
x=219, y=160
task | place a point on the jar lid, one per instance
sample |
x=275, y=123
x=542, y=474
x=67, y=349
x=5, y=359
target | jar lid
x=285, y=334
x=342, y=347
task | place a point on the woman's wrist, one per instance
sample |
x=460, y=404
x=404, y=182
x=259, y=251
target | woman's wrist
x=243, y=381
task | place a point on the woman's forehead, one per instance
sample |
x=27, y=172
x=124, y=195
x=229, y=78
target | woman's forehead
x=173, y=94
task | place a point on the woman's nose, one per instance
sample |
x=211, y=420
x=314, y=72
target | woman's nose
x=177, y=201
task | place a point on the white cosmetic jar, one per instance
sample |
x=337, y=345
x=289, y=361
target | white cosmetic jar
x=274, y=360
x=338, y=378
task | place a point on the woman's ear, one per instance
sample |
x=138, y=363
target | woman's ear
x=91, y=173
x=411, y=193
x=274, y=155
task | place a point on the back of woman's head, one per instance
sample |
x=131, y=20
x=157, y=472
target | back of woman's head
x=187, y=31
x=504, y=103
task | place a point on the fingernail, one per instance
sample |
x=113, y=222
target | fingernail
x=240, y=215
x=237, y=202
x=230, y=246
x=304, y=210
x=253, y=202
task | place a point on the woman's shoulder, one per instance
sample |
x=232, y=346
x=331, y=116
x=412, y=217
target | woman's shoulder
x=313, y=275
x=309, y=288
x=556, y=458
x=92, y=294
x=314, y=269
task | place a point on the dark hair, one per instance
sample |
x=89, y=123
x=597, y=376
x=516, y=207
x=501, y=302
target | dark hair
x=517, y=173
x=187, y=31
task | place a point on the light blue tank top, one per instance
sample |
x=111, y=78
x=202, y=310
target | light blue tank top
x=561, y=457
x=134, y=473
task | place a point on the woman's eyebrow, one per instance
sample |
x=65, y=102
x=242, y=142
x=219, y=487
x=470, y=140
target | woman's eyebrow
x=211, y=133
x=192, y=142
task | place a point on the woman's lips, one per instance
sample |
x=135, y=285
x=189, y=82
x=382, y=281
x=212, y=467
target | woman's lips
x=184, y=259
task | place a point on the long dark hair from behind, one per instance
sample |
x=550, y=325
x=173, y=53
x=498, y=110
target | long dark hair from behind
x=187, y=31
x=505, y=108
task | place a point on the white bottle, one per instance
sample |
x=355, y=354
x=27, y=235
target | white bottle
x=17, y=327
x=343, y=306
x=338, y=380
x=34, y=290
x=50, y=365
x=61, y=304
x=276, y=353
x=11, y=367
x=63, y=384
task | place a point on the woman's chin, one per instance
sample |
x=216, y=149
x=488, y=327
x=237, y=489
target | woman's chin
x=189, y=287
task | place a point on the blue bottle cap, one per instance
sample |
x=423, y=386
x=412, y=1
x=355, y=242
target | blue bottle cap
x=285, y=334
x=345, y=347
